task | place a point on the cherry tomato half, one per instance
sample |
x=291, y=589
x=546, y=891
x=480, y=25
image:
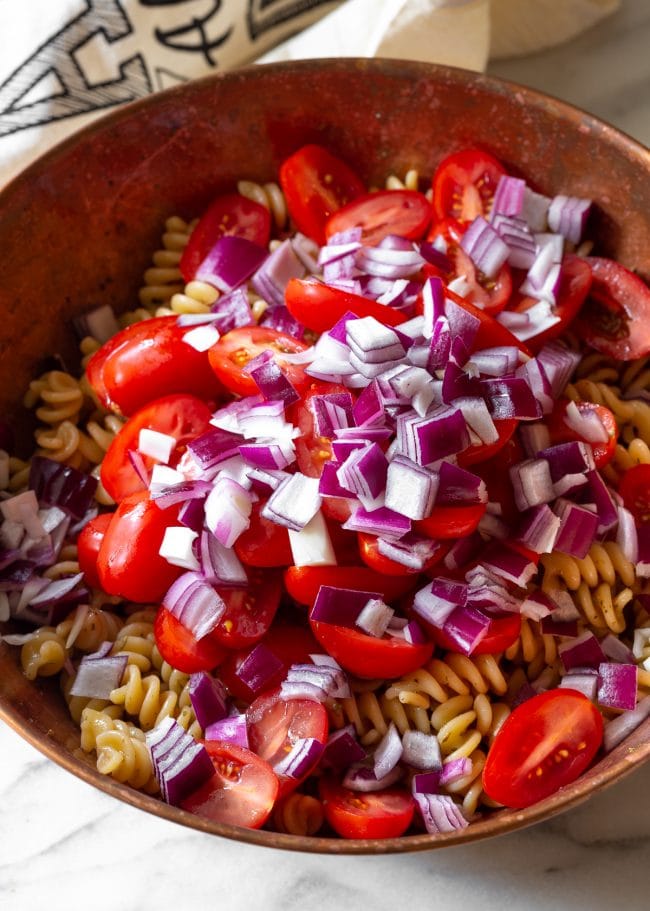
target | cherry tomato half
x=249, y=611
x=236, y=348
x=451, y=521
x=274, y=724
x=368, y=656
x=180, y=648
x=319, y=307
x=546, y=743
x=635, y=490
x=128, y=563
x=315, y=184
x=380, y=814
x=241, y=792
x=464, y=185
x=406, y=213
x=264, y=543
x=369, y=552
x=303, y=582
x=146, y=361
x=560, y=431
x=489, y=294
x=88, y=545
x=616, y=316
x=482, y=451
x=183, y=417
x=491, y=334
x=228, y=215
x=575, y=282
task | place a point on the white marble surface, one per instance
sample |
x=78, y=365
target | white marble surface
x=65, y=846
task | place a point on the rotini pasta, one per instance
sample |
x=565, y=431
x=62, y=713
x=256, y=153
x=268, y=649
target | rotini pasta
x=268, y=195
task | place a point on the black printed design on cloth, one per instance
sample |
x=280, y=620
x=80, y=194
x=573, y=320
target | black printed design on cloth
x=193, y=36
x=264, y=15
x=56, y=58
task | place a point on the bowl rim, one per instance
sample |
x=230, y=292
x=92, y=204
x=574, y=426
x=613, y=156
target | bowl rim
x=637, y=751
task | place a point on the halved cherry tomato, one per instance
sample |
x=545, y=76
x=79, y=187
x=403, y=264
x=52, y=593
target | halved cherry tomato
x=635, y=490
x=264, y=543
x=381, y=814
x=368, y=549
x=502, y=633
x=236, y=348
x=291, y=644
x=180, y=648
x=146, y=361
x=616, y=316
x=406, y=213
x=241, y=792
x=451, y=521
x=128, y=563
x=228, y=215
x=88, y=545
x=489, y=294
x=319, y=307
x=368, y=656
x=316, y=184
x=546, y=743
x=303, y=582
x=560, y=431
x=575, y=282
x=274, y=724
x=482, y=451
x=249, y=611
x=464, y=184
x=183, y=417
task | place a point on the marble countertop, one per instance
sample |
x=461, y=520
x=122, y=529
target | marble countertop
x=66, y=846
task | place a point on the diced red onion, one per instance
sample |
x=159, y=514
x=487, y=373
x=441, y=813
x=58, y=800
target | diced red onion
x=275, y=273
x=412, y=551
x=510, y=565
x=294, y=503
x=410, y=488
x=585, y=651
x=363, y=779
x=534, y=209
x=558, y=363
x=213, y=447
x=270, y=379
x=421, y=751
x=389, y=263
x=227, y=510
x=439, y=346
x=457, y=486
x=230, y=262
x=617, y=685
x=180, y=764
x=626, y=535
x=466, y=627
x=587, y=424
x=312, y=545
x=100, y=323
x=96, y=678
x=220, y=565
x=375, y=617
x=617, y=730
x=584, y=683
x=372, y=342
x=510, y=397
x=508, y=196
x=514, y=232
x=426, y=783
x=532, y=483
x=455, y=769
x=319, y=682
x=577, y=529
x=438, y=600
x=440, y=813
x=176, y=547
x=534, y=438
x=567, y=215
x=383, y=522
x=539, y=529
x=341, y=606
x=387, y=753
x=208, y=697
x=300, y=760
x=606, y=508
x=616, y=650
x=195, y=603
x=484, y=247
x=259, y=667
x=232, y=729
x=342, y=749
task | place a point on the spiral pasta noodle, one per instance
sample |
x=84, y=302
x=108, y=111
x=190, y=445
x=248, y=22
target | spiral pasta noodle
x=411, y=181
x=163, y=279
x=601, y=585
x=120, y=747
x=44, y=654
x=298, y=814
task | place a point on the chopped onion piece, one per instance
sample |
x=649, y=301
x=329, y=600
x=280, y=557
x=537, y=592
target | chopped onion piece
x=455, y=769
x=341, y=606
x=180, y=764
x=410, y=488
x=227, y=510
x=617, y=685
x=176, y=547
x=362, y=778
x=96, y=678
x=201, y=338
x=312, y=545
x=294, y=503
x=440, y=813
x=259, y=668
x=617, y=730
x=232, y=729
x=577, y=529
x=375, y=617
x=342, y=749
x=300, y=760
x=484, y=247
x=208, y=697
x=532, y=483
x=421, y=751
x=567, y=215
x=387, y=753
x=195, y=603
x=585, y=651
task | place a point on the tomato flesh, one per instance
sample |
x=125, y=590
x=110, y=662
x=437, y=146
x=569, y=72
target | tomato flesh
x=264, y=544
x=560, y=431
x=615, y=318
x=303, y=582
x=146, y=361
x=501, y=634
x=464, y=185
x=274, y=724
x=369, y=551
x=483, y=451
x=89, y=543
x=635, y=490
x=316, y=184
x=249, y=611
x=180, y=648
x=183, y=417
x=448, y=522
x=405, y=213
x=545, y=744
x=368, y=656
x=230, y=355
x=319, y=307
x=228, y=215
x=129, y=563
x=241, y=792
x=381, y=814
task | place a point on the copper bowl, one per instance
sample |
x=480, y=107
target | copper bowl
x=78, y=227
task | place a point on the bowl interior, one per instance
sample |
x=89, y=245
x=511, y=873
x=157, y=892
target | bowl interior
x=79, y=226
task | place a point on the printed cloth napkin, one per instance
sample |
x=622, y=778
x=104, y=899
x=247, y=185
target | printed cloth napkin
x=65, y=62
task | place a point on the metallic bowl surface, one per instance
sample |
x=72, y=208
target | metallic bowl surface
x=78, y=227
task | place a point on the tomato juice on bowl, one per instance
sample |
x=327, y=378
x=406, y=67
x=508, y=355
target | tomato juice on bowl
x=268, y=548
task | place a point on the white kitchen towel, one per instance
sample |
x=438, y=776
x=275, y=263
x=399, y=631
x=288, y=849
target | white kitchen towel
x=65, y=62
